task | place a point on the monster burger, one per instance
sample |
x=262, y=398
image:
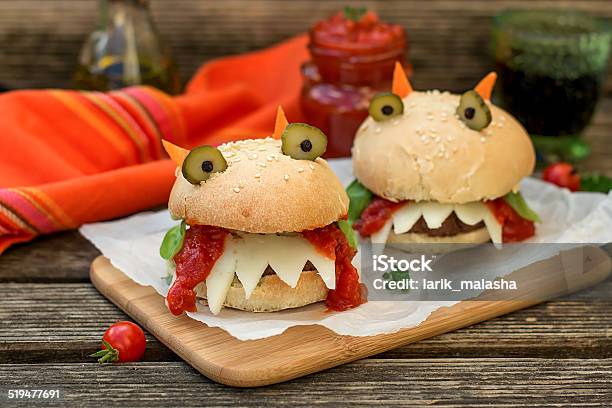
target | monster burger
x=259, y=226
x=437, y=168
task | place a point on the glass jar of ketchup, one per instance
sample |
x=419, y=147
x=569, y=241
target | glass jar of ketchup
x=353, y=55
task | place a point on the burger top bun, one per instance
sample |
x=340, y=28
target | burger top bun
x=428, y=153
x=262, y=191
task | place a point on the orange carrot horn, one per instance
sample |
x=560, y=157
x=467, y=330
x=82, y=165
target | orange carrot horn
x=401, y=86
x=485, y=86
x=280, y=124
x=176, y=153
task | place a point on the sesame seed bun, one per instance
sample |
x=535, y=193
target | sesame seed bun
x=262, y=191
x=272, y=294
x=428, y=153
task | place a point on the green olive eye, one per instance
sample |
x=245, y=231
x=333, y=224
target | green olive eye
x=473, y=111
x=385, y=106
x=303, y=142
x=201, y=162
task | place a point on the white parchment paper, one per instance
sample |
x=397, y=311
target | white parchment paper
x=132, y=245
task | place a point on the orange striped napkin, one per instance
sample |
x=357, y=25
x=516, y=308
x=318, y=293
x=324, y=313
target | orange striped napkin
x=69, y=157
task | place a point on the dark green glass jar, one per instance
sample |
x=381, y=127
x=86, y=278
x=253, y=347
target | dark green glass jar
x=551, y=66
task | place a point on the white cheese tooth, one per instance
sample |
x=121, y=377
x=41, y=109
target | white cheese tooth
x=220, y=278
x=380, y=237
x=474, y=212
x=287, y=256
x=494, y=228
x=471, y=213
x=325, y=266
x=405, y=217
x=435, y=214
x=251, y=261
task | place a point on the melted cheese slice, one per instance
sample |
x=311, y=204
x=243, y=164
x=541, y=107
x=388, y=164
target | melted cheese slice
x=434, y=215
x=287, y=255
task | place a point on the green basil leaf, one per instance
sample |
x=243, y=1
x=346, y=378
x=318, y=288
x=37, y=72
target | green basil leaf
x=354, y=13
x=360, y=197
x=518, y=203
x=173, y=241
x=595, y=182
x=347, y=229
x=397, y=276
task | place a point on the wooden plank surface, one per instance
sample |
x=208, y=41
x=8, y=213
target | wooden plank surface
x=307, y=349
x=416, y=382
x=40, y=41
x=41, y=259
x=63, y=323
x=599, y=136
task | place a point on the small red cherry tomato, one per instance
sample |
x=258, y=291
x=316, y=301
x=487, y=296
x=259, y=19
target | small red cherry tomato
x=122, y=342
x=563, y=175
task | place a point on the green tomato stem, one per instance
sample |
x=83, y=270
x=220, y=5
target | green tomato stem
x=106, y=355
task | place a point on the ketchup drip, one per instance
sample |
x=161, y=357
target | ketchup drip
x=332, y=243
x=202, y=247
x=514, y=227
x=374, y=217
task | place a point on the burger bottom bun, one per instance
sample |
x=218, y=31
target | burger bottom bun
x=272, y=294
x=423, y=243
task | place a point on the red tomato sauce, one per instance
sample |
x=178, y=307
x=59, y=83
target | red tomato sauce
x=332, y=243
x=364, y=35
x=202, y=247
x=514, y=227
x=374, y=217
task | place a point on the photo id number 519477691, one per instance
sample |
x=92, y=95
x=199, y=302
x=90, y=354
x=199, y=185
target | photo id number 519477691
x=32, y=393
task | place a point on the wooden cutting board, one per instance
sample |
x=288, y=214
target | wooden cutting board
x=307, y=349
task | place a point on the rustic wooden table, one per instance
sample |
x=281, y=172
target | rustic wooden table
x=52, y=317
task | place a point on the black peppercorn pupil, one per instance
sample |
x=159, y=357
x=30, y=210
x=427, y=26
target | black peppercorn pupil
x=387, y=110
x=207, y=166
x=306, y=145
x=469, y=113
